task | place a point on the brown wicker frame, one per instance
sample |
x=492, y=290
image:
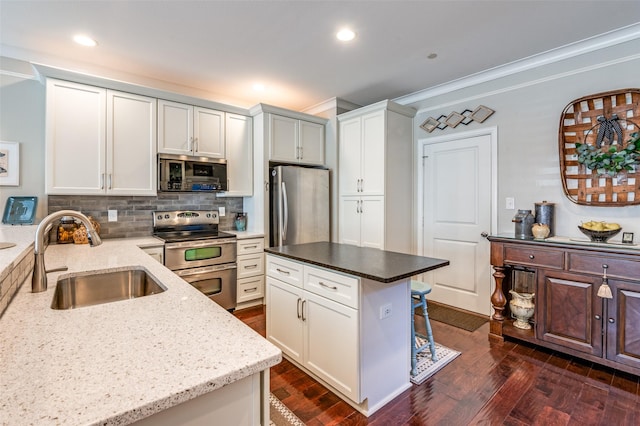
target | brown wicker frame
x=578, y=124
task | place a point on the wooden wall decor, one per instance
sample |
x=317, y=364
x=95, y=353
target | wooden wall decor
x=467, y=116
x=604, y=121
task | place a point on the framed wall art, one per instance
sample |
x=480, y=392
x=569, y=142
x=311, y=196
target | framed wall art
x=9, y=163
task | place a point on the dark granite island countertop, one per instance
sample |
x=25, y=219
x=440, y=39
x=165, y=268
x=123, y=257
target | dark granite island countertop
x=378, y=265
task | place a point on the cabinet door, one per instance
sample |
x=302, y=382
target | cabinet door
x=572, y=313
x=623, y=317
x=284, y=318
x=349, y=157
x=131, y=144
x=75, y=138
x=373, y=153
x=311, y=143
x=175, y=128
x=208, y=133
x=372, y=222
x=331, y=343
x=283, y=138
x=239, y=150
x=349, y=226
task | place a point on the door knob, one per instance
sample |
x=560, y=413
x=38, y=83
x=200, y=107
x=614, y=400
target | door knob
x=484, y=234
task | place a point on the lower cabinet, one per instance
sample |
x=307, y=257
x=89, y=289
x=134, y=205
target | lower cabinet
x=157, y=252
x=361, y=221
x=250, y=275
x=330, y=325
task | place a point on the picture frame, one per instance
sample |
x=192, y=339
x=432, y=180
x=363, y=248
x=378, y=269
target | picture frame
x=627, y=237
x=9, y=163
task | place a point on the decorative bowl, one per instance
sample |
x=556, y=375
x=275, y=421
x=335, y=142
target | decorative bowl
x=599, y=236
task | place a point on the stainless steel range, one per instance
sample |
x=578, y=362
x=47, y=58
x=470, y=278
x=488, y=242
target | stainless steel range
x=199, y=253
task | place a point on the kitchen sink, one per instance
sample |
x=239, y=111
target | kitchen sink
x=98, y=287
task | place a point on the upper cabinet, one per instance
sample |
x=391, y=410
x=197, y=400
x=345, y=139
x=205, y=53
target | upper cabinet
x=99, y=141
x=239, y=148
x=189, y=130
x=296, y=141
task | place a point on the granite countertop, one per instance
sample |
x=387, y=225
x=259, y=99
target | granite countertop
x=117, y=362
x=378, y=265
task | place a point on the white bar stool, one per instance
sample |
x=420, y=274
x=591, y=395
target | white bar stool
x=418, y=291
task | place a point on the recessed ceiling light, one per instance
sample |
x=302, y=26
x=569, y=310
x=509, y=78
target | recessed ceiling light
x=345, y=34
x=84, y=40
x=259, y=87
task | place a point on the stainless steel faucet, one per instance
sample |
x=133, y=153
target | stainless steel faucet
x=39, y=279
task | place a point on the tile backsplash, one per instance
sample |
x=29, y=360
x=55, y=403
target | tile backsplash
x=135, y=213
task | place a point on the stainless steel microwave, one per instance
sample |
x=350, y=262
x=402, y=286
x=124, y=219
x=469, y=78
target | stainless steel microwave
x=183, y=173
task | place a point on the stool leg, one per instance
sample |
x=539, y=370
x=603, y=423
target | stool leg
x=414, y=352
x=432, y=345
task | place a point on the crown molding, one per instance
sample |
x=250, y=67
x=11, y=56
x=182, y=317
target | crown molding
x=612, y=38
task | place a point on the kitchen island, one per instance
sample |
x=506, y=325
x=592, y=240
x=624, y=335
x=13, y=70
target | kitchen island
x=159, y=358
x=343, y=314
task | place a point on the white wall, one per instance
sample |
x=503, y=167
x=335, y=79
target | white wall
x=528, y=105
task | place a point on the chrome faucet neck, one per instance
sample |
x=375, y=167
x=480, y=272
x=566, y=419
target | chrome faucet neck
x=39, y=278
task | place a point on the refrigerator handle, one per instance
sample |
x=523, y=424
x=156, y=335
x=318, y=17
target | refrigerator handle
x=285, y=209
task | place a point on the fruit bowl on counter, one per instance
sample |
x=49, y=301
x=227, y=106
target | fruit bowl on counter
x=599, y=232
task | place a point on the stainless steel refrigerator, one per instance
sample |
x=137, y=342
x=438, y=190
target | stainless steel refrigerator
x=299, y=205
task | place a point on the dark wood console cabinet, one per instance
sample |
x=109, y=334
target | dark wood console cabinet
x=569, y=316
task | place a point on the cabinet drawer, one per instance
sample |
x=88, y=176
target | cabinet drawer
x=284, y=270
x=527, y=256
x=251, y=246
x=250, y=288
x=337, y=287
x=592, y=264
x=250, y=265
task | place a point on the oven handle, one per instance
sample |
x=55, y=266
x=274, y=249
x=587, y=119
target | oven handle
x=205, y=270
x=196, y=244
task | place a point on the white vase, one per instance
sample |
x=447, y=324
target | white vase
x=522, y=307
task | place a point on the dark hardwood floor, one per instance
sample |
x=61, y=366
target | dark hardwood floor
x=488, y=384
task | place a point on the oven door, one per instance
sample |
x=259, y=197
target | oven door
x=218, y=283
x=199, y=253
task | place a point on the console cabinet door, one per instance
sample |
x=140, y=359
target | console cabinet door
x=571, y=311
x=622, y=320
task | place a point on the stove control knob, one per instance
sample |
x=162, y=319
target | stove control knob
x=159, y=217
x=166, y=216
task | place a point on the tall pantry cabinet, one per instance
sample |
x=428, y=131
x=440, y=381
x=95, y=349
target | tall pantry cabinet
x=375, y=176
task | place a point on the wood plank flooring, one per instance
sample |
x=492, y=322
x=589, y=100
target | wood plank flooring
x=488, y=384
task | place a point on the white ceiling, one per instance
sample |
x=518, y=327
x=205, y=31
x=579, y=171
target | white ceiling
x=224, y=47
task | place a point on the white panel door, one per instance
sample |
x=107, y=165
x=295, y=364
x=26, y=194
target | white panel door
x=175, y=128
x=350, y=157
x=457, y=210
x=283, y=138
x=311, y=143
x=284, y=322
x=349, y=230
x=239, y=150
x=373, y=153
x=331, y=343
x=208, y=132
x=372, y=222
x=131, y=144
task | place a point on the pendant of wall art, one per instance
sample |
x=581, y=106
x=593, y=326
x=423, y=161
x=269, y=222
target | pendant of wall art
x=452, y=120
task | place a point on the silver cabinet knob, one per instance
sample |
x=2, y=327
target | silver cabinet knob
x=531, y=256
x=611, y=320
x=598, y=317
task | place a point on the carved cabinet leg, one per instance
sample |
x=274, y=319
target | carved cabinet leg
x=498, y=302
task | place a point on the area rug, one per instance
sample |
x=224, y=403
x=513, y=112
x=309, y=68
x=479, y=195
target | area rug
x=280, y=414
x=454, y=317
x=426, y=367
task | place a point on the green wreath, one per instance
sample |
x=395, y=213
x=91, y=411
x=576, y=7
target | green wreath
x=610, y=161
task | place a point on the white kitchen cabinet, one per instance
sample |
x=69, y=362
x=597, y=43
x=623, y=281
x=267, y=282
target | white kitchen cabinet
x=99, y=141
x=156, y=252
x=330, y=325
x=314, y=330
x=239, y=149
x=296, y=141
x=250, y=284
x=375, y=177
x=362, y=221
x=190, y=130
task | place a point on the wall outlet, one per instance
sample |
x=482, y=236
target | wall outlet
x=510, y=203
x=222, y=211
x=112, y=215
x=385, y=311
